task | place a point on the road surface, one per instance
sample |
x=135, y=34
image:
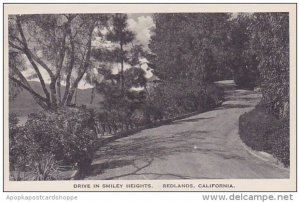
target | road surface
x=205, y=146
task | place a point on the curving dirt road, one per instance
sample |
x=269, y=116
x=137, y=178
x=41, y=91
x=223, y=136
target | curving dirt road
x=205, y=146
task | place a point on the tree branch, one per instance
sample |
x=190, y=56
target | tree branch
x=31, y=91
x=82, y=70
x=20, y=75
x=29, y=56
x=16, y=47
x=38, y=60
x=17, y=38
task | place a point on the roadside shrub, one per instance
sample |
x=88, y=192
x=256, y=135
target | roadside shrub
x=17, y=151
x=280, y=140
x=13, y=131
x=171, y=99
x=44, y=167
x=65, y=137
x=160, y=101
x=153, y=110
x=180, y=97
x=215, y=95
x=68, y=134
x=26, y=162
x=246, y=73
x=263, y=132
x=245, y=79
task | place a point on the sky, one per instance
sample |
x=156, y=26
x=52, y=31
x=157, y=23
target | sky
x=140, y=24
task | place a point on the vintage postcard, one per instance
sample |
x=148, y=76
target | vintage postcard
x=149, y=97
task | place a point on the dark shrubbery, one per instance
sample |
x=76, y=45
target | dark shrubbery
x=270, y=41
x=215, y=95
x=175, y=99
x=267, y=127
x=242, y=59
x=17, y=152
x=263, y=132
x=246, y=77
x=181, y=97
x=65, y=137
x=281, y=144
x=163, y=100
x=26, y=161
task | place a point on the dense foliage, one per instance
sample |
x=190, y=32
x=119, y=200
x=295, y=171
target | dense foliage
x=66, y=137
x=241, y=57
x=263, y=132
x=259, y=55
x=190, y=46
x=271, y=42
x=172, y=99
x=188, y=53
x=116, y=112
x=267, y=127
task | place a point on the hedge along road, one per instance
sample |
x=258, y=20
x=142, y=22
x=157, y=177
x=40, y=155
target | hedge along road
x=205, y=146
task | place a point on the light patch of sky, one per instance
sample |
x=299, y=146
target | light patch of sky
x=141, y=25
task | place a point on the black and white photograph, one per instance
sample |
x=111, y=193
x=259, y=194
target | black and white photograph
x=147, y=96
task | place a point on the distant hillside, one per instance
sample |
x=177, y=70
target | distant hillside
x=24, y=103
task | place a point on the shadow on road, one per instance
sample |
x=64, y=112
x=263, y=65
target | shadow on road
x=228, y=106
x=193, y=119
x=188, y=120
x=99, y=168
x=144, y=149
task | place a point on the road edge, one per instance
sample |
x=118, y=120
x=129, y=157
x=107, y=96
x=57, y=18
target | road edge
x=264, y=156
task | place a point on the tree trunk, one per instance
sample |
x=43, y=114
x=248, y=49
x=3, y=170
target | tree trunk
x=28, y=54
x=122, y=69
x=82, y=71
x=52, y=87
x=70, y=96
x=75, y=98
x=69, y=72
x=59, y=89
x=92, y=95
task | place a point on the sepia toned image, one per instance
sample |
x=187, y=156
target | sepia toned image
x=190, y=99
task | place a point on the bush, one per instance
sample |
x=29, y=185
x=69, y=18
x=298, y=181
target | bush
x=26, y=162
x=161, y=101
x=246, y=74
x=44, y=167
x=65, y=137
x=17, y=151
x=280, y=140
x=263, y=132
x=177, y=98
x=215, y=95
x=242, y=59
x=245, y=79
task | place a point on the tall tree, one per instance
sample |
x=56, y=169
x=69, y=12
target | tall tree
x=122, y=35
x=270, y=39
x=241, y=57
x=188, y=52
x=56, y=47
x=188, y=46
